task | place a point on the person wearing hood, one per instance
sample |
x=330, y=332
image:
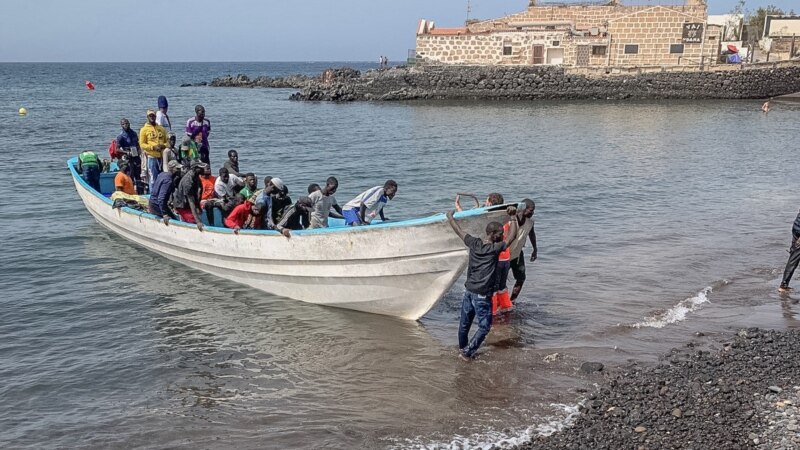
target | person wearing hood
x=162, y=118
x=295, y=217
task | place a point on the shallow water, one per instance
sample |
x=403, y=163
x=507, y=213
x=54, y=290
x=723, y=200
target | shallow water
x=641, y=207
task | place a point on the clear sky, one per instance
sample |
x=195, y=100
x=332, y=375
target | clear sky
x=239, y=30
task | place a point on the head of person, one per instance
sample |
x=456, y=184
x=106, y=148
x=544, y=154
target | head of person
x=233, y=155
x=494, y=199
x=390, y=188
x=162, y=103
x=198, y=137
x=256, y=209
x=123, y=167
x=198, y=167
x=172, y=139
x=313, y=187
x=174, y=167
x=494, y=232
x=151, y=117
x=224, y=175
x=277, y=186
x=331, y=185
x=528, y=208
x=238, y=199
x=251, y=181
x=199, y=113
x=207, y=172
x=125, y=124
x=304, y=204
x=267, y=185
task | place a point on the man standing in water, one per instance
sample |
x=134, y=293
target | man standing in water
x=481, y=279
x=526, y=230
x=794, y=256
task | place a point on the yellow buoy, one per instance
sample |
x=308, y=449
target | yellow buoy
x=23, y=112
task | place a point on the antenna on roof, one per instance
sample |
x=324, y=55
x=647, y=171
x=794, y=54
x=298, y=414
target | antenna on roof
x=469, y=9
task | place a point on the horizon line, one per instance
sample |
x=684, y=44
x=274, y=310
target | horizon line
x=184, y=62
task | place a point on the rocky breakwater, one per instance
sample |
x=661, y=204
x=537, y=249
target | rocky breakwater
x=548, y=82
x=743, y=395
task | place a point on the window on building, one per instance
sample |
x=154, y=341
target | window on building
x=631, y=49
x=506, y=48
x=676, y=48
x=598, y=50
x=556, y=43
x=550, y=27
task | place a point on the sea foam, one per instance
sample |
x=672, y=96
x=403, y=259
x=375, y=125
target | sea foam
x=677, y=313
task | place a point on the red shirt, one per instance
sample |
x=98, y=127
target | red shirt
x=505, y=255
x=208, y=186
x=238, y=216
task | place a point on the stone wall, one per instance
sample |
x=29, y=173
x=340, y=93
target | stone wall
x=549, y=82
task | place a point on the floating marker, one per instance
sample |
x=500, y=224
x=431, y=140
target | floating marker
x=23, y=112
x=89, y=85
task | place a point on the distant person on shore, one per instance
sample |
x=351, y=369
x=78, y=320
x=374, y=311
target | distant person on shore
x=128, y=143
x=481, y=280
x=232, y=164
x=162, y=118
x=89, y=166
x=122, y=181
x=200, y=124
x=153, y=140
x=765, y=106
x=369, y=204
x=186, y=198
x=321, y=203
x=794, y=257
x=162, y=192
x=295, y=217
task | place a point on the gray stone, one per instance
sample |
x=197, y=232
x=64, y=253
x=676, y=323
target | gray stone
x=591, y=367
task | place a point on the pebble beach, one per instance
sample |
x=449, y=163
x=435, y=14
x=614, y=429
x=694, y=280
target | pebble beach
x=739, y=393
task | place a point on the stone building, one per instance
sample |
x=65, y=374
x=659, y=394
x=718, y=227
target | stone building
x=579, y=34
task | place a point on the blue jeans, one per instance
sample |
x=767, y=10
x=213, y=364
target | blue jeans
x=474, y=305
x=91, y=175
x=154, y=167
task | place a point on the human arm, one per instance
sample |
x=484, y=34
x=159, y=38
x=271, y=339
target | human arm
x=458, y=200
x=362, y=210
x=513, y=226
x=532, y=237
x=337, y=212
x=455, y=226
x=383, y=218
x=195, y=212
x=281, y=226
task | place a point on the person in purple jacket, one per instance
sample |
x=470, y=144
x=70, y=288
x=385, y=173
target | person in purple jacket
x=199, y=124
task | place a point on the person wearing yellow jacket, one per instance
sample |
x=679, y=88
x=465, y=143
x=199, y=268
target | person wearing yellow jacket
x=152, y=140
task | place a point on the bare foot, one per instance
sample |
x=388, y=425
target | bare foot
x=785, y=289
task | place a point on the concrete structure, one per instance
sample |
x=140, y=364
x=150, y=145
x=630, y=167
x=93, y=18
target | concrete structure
x=610, y=35
x=781, y=38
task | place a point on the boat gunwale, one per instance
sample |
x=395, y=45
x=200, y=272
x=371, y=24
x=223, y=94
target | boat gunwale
x=435, y=218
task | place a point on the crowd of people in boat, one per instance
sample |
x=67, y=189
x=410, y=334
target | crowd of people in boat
x=181, y=184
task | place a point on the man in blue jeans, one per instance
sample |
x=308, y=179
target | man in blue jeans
x=481, y=279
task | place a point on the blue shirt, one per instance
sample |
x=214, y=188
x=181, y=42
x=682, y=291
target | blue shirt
x=160, y=194
x=128, y=139
x=265, y=200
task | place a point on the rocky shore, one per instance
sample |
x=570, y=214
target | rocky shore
x=744, y=395
x=526, y=83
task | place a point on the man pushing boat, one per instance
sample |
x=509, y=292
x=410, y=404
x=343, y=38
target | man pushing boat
x=481, y=279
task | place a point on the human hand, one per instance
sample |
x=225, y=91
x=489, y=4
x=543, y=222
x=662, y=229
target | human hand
x=286, y=233
x=236, y=230
x=449, y=214
x=534, y=257
x=200, y=226
x=512, y=210
x=166, y=220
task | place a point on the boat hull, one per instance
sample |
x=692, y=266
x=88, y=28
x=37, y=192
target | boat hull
x=398, y=269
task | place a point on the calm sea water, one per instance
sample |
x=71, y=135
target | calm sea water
x=640, y=208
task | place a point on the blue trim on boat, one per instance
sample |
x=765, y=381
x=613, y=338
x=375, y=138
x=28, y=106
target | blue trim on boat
x=72, y=163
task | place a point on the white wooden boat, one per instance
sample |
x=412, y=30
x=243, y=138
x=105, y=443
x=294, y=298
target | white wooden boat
x=398, y=269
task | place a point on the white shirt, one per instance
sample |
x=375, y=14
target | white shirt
x=374, y=199
x=322, y=205
x=162, y=120
x=222, y=189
